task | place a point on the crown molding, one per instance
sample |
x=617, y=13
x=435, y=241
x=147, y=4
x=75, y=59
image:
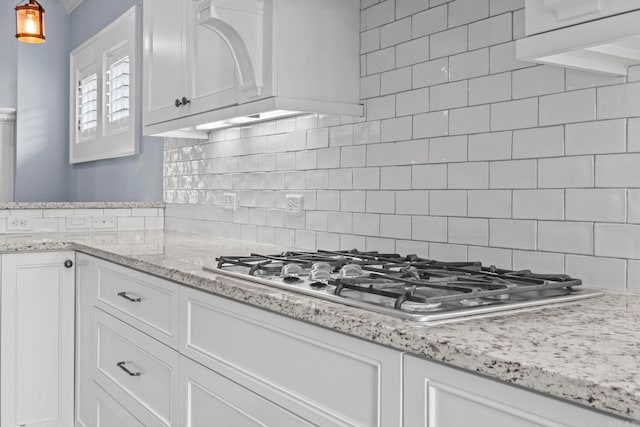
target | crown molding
x=70, y=5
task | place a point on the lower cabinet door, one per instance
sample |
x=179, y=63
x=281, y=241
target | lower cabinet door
x=110, y=413
x=439, y=396
x=138, y=371
x=211, y=400
x=37, y=311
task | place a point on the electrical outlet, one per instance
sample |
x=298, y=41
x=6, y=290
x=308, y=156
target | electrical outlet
x=104, y=223
x=294, y=205
x=19, y=224
x=77, y=222
x=229, y=201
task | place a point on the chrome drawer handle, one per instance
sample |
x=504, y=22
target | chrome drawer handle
x=127, y=297
x=124, y=368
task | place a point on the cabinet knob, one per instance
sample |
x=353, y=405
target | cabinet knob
x=185, y=101
x=68, y=263
x=178, y=103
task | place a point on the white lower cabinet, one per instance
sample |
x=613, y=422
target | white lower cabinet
x=439, y=396
x=110, y=413
x=37, y=324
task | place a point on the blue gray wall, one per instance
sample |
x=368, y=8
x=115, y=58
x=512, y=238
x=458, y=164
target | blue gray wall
x=35, y=80
x=42, y=104
x=128, y=178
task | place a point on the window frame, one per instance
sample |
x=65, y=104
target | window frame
x=119, y=39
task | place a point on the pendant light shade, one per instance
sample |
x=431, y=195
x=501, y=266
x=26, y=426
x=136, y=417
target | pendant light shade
x=30, y=22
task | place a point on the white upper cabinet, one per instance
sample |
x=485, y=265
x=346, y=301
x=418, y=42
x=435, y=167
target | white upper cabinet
x=593, y=35
x=208, y=61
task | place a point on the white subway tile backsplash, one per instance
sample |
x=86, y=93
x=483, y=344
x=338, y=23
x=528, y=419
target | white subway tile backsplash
x=618, y=170
x=536, y=81
x=430, y=21
x=605, y=136
x=619, y=101
x=567, y=237
x=412, y=102
x=490, y=146
x=513, y=174
x=469, y=231
x=607, y=273
x=448, y=203
x=412, y=52
x=395, y=32
x=449, y=95
x=538, y=204
x=466, y=11
x=489, y=203
x=538, y=142
x=429, y=228
x=396, y=226
x=514, y=114
x=409, y=7
x=566, y=172
x=492, y=31
x=567, y=107
x=516, y=234
x=473, y=175
x=601, y=205
x=469, y=120
x=494, y=88
x=464, y=152
x=429, y=176
x=431, y=124
x=448, y=149
x=430, y=73
x=448, y=42
x=412, y=202
x=469, y=64
x=617, y=240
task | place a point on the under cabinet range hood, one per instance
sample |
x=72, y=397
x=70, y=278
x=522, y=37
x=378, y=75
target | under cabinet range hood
x=244, y=61
x=607, y=45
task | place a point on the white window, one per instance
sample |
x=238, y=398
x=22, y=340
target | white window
x=103, y=97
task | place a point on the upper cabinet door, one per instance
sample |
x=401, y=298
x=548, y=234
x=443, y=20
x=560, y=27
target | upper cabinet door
x=164, y=59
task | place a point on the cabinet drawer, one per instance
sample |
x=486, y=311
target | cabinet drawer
x=137, y=370
x=207, y=396
x=146, y=302
x=324, y=377
x=109, y=413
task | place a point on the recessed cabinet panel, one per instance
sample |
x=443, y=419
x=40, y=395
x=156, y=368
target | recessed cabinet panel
x=214, y=78
x=165, y=56
x=110, y=413
x=326, y=373
x=209, y=396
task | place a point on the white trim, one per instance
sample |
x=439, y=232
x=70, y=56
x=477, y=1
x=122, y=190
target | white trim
x=70, y=5
x=7, y=114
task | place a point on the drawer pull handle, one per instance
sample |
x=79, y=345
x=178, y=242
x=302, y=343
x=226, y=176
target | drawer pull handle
x=124, y=368
x=127, y=297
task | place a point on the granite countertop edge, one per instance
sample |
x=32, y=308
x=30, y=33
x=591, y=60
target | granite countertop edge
x=80, y=205
x=431, y=342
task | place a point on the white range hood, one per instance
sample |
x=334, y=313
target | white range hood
x=608, y=45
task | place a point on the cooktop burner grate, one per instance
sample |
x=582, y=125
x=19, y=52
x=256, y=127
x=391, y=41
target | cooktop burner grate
x=405, y=286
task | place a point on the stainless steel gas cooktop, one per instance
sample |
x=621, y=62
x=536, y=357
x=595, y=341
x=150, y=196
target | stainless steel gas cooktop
x=407, y=287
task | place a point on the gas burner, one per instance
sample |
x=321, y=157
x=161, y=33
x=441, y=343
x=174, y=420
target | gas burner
x=408, y=286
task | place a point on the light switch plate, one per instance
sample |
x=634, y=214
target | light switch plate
x=294, y=204
x=229, y=201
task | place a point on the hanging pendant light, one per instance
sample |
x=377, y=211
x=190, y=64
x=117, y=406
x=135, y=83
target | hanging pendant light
x=30, y=22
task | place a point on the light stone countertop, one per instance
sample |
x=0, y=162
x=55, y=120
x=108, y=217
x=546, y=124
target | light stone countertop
x=80, y=205
x=587, y=352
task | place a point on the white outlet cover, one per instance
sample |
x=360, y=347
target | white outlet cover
x=104, y=223
x=229, y=201
x=16, y=223
x=294, y=204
